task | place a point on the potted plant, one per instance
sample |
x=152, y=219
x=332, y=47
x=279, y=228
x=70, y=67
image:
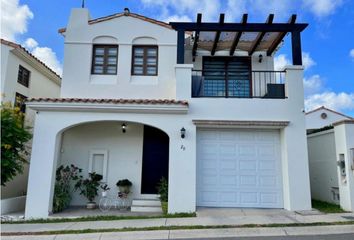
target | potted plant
x=124, y=186
x=105, y=190
x=89, y=188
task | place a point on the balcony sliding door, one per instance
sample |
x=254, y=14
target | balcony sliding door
x=227, y=77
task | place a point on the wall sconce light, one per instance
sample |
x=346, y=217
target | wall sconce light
x=260, y=58
x=183, y=132
x=124, y=127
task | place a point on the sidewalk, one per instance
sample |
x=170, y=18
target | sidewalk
x=213, y=220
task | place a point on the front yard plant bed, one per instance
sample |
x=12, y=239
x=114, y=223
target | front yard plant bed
x=107, y=230
x=326, y=207
x=99, y=218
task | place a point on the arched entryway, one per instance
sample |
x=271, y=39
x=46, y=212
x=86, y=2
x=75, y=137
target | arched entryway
x=138, y=152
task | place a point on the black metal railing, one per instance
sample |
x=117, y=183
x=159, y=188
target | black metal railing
x=238, y=84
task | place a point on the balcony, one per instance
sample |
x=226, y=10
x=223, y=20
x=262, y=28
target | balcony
x=238, y=84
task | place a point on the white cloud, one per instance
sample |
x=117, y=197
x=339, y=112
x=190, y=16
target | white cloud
x=282, y=60
x=234, y=10
x=307, y=61
x=45, y=54
x=351, y=53
x=322, y=8
x=14, y=19
x=280, y=8
x=190, y=8
x=30, y=43
x=336, y=101
x=176, y=18
x=312, y=84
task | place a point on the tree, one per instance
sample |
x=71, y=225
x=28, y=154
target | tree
x=14, y=136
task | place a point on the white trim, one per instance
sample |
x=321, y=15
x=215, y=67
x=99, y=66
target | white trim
x=108, y=107
x=320, y=133
x=103, y=152
x=119, y=43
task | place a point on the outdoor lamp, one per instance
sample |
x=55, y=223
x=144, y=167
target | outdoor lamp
x=183, y=132
x=260, y=58
x=124, y=127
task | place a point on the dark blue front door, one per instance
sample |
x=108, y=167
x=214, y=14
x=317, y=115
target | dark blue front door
x=155, y=159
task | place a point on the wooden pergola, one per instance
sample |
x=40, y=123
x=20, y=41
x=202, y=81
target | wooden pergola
x=249, y=37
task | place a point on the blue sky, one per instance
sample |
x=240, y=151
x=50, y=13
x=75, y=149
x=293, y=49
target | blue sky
x=328, y=42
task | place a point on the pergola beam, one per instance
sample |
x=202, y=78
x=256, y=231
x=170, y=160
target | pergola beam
x=196, y=38
x=238, y=35
x=280, y=37
x=261, y=35
x=236, y=27
x=217, y=35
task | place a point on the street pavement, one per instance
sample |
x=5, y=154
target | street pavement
x=337, y=232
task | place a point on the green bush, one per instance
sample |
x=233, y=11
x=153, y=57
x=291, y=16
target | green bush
x=14, y=136
x=65, y=175
x=124, y=183
x=89, y=187
x=162, y=189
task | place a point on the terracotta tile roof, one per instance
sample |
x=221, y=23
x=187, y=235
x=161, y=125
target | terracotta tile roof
x=330, y=110
x=347, y=121
x=114, y=101
x=18, y=46
x=117, y=15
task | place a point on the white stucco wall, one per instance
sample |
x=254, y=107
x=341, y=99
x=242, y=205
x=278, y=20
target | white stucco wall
x=40, y=85
x=344, y=138
x=124, y=153
x=323, y=166
x=314, y=119
x=79, y=39
x=46, y=147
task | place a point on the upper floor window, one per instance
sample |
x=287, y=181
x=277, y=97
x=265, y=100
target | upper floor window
x=20, y=102
x=23, y=76
x=104, y=60
x=144, y=60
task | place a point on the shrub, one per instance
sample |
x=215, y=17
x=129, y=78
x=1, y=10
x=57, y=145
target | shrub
x=63, y=190
x=124, y=183
x=89, y=187
x=14, y=136
x=162, y=189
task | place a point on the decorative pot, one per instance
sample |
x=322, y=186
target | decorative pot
x=104, y=194
x=124, y=189
x=91, y=205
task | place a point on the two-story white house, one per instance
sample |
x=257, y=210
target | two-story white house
x=23, y=76
x=198, y=103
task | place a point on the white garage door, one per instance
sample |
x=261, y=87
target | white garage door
x=239, y=168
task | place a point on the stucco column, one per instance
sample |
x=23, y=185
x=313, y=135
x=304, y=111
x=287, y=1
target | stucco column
x=182, y=170
x=45, y=147
x=183, y=81
x=296, y=181
x=344, y=140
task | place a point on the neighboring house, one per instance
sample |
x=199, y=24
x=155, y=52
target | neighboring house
x=23, y=76
x=330, y=142
x=322, y=117
x=197, y=103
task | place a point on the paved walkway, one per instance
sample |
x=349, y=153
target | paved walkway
x=204, y=218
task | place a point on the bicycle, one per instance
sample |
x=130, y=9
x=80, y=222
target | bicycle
x=120, y=202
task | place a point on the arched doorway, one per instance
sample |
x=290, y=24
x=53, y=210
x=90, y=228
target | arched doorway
x=155, y=159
